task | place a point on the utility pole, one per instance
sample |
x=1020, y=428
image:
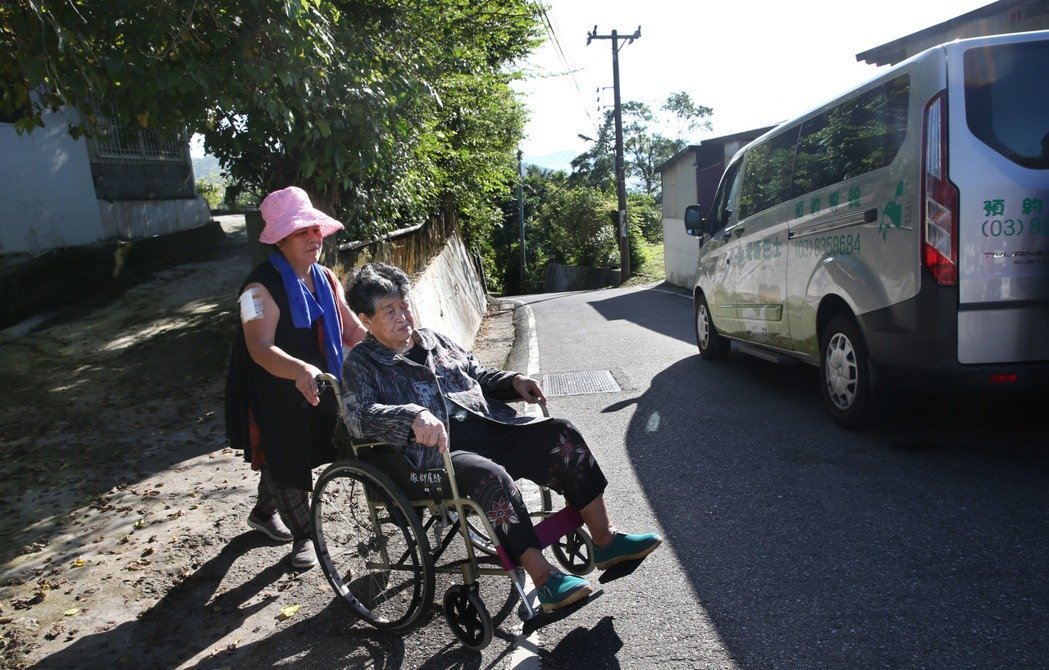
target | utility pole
x=624, y=241
x=520, y=217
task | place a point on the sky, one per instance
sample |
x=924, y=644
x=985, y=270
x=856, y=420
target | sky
x=755, y=63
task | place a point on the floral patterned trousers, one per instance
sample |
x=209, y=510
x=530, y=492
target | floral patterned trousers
x=489, y=456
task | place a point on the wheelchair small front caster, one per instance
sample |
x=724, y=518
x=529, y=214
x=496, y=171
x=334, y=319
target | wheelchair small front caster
x=468, y=617
x=575, y=552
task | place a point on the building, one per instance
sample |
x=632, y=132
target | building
x=997, y=18
x=86, y=205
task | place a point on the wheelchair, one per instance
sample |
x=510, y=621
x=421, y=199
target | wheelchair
x=373, y=541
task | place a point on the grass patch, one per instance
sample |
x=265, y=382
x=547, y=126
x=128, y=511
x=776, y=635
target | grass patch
x=654, y=269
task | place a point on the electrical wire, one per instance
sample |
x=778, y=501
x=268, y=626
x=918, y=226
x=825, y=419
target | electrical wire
x=570, y=69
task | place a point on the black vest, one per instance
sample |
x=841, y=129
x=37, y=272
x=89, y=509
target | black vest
x=294, y=436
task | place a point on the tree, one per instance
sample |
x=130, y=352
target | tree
x=646, y=143
x=540, y=186
x=384, y=110
x=579, y=227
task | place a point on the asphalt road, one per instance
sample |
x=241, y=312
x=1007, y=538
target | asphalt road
x=789, y=542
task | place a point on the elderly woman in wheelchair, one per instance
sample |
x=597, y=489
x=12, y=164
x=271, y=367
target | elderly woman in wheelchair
x=434, y=408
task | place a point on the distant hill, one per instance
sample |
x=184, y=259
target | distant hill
x=207, y=167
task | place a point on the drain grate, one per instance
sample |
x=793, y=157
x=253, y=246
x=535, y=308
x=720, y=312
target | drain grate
x=579, y=383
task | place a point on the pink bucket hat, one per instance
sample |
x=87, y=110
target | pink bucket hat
x=290, y=209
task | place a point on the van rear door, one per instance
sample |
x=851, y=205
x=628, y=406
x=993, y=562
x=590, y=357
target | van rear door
x=998, y=158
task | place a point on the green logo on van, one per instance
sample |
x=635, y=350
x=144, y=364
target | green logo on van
x=892, y=213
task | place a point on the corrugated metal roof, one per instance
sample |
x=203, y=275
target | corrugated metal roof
x=895, y=51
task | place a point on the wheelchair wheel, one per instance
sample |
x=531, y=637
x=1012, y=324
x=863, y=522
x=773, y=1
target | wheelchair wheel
x=468, y=617
x=575, y=552
x=371, y=546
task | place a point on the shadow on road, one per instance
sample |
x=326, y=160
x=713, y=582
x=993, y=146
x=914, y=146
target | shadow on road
x=677, y=323
x=917, y=544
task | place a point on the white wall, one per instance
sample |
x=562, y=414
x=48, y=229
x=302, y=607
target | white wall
x=47, y=196
x=680, y=251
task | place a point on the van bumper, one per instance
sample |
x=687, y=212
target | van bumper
x=914, y=344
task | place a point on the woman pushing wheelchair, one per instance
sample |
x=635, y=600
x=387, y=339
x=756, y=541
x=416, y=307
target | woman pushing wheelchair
x=415, y=387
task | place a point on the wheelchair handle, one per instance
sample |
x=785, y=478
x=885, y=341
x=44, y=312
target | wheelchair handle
x=326, y=379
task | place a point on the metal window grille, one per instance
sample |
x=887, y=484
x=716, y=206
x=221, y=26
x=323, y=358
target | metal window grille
x=120, y=141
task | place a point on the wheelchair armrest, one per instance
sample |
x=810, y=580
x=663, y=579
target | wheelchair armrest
x=509, y=396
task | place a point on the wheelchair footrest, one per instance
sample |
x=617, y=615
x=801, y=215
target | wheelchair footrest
x=542, y=618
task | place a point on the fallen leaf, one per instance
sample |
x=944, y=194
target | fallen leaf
x=72, y=611
x=288, y=612
x=78, y=563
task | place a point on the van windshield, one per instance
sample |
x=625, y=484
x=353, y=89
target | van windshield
x=1007, y=100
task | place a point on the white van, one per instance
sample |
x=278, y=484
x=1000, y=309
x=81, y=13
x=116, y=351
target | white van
x=896, y=235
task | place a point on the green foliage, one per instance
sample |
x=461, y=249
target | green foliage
x=212, y=192
x=647, y=215
x=569, y=225
x=241, y=198
x=579, y=228
x=538, y=187
x=638, y=258
x=385, y=111
x=646, y=144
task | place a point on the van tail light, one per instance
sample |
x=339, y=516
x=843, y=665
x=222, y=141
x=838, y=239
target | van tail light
x=939, y=228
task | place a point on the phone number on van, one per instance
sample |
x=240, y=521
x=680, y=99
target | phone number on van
x=832, y=244
x=1011, y=227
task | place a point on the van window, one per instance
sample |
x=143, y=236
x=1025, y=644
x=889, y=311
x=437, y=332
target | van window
x=1007, y=100
x=767, y=173
x=725, y=200
x=862, y=134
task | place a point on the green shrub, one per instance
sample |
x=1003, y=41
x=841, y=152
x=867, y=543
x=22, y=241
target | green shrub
x=212, y=192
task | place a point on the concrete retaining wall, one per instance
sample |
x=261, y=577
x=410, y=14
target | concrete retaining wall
x=559, y=277
x=448, y=295
x=142, y=219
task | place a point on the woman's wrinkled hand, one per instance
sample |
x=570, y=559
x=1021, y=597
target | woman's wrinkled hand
x=430, y=431
x=529, y=389
x=306, y=382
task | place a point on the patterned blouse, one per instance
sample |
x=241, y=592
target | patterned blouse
x=385, y=391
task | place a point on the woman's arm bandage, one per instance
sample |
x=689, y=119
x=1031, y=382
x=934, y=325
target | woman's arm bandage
x=250, y=305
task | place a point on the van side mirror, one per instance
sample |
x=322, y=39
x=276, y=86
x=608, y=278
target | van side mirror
x=694, y=223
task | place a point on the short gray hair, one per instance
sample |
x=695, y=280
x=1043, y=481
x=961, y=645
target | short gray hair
x=372, y=283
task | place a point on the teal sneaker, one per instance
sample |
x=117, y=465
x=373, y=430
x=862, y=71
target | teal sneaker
x=561, y=590
x=625, y=548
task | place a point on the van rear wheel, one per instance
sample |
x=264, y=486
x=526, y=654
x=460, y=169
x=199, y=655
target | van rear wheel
x=845, y=373
x=711, y=345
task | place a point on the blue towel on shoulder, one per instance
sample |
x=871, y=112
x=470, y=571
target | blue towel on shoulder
x=305, y=309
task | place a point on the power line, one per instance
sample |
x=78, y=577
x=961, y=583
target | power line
x=570, y=69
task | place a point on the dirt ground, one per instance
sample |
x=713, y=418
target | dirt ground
x=122, y=513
